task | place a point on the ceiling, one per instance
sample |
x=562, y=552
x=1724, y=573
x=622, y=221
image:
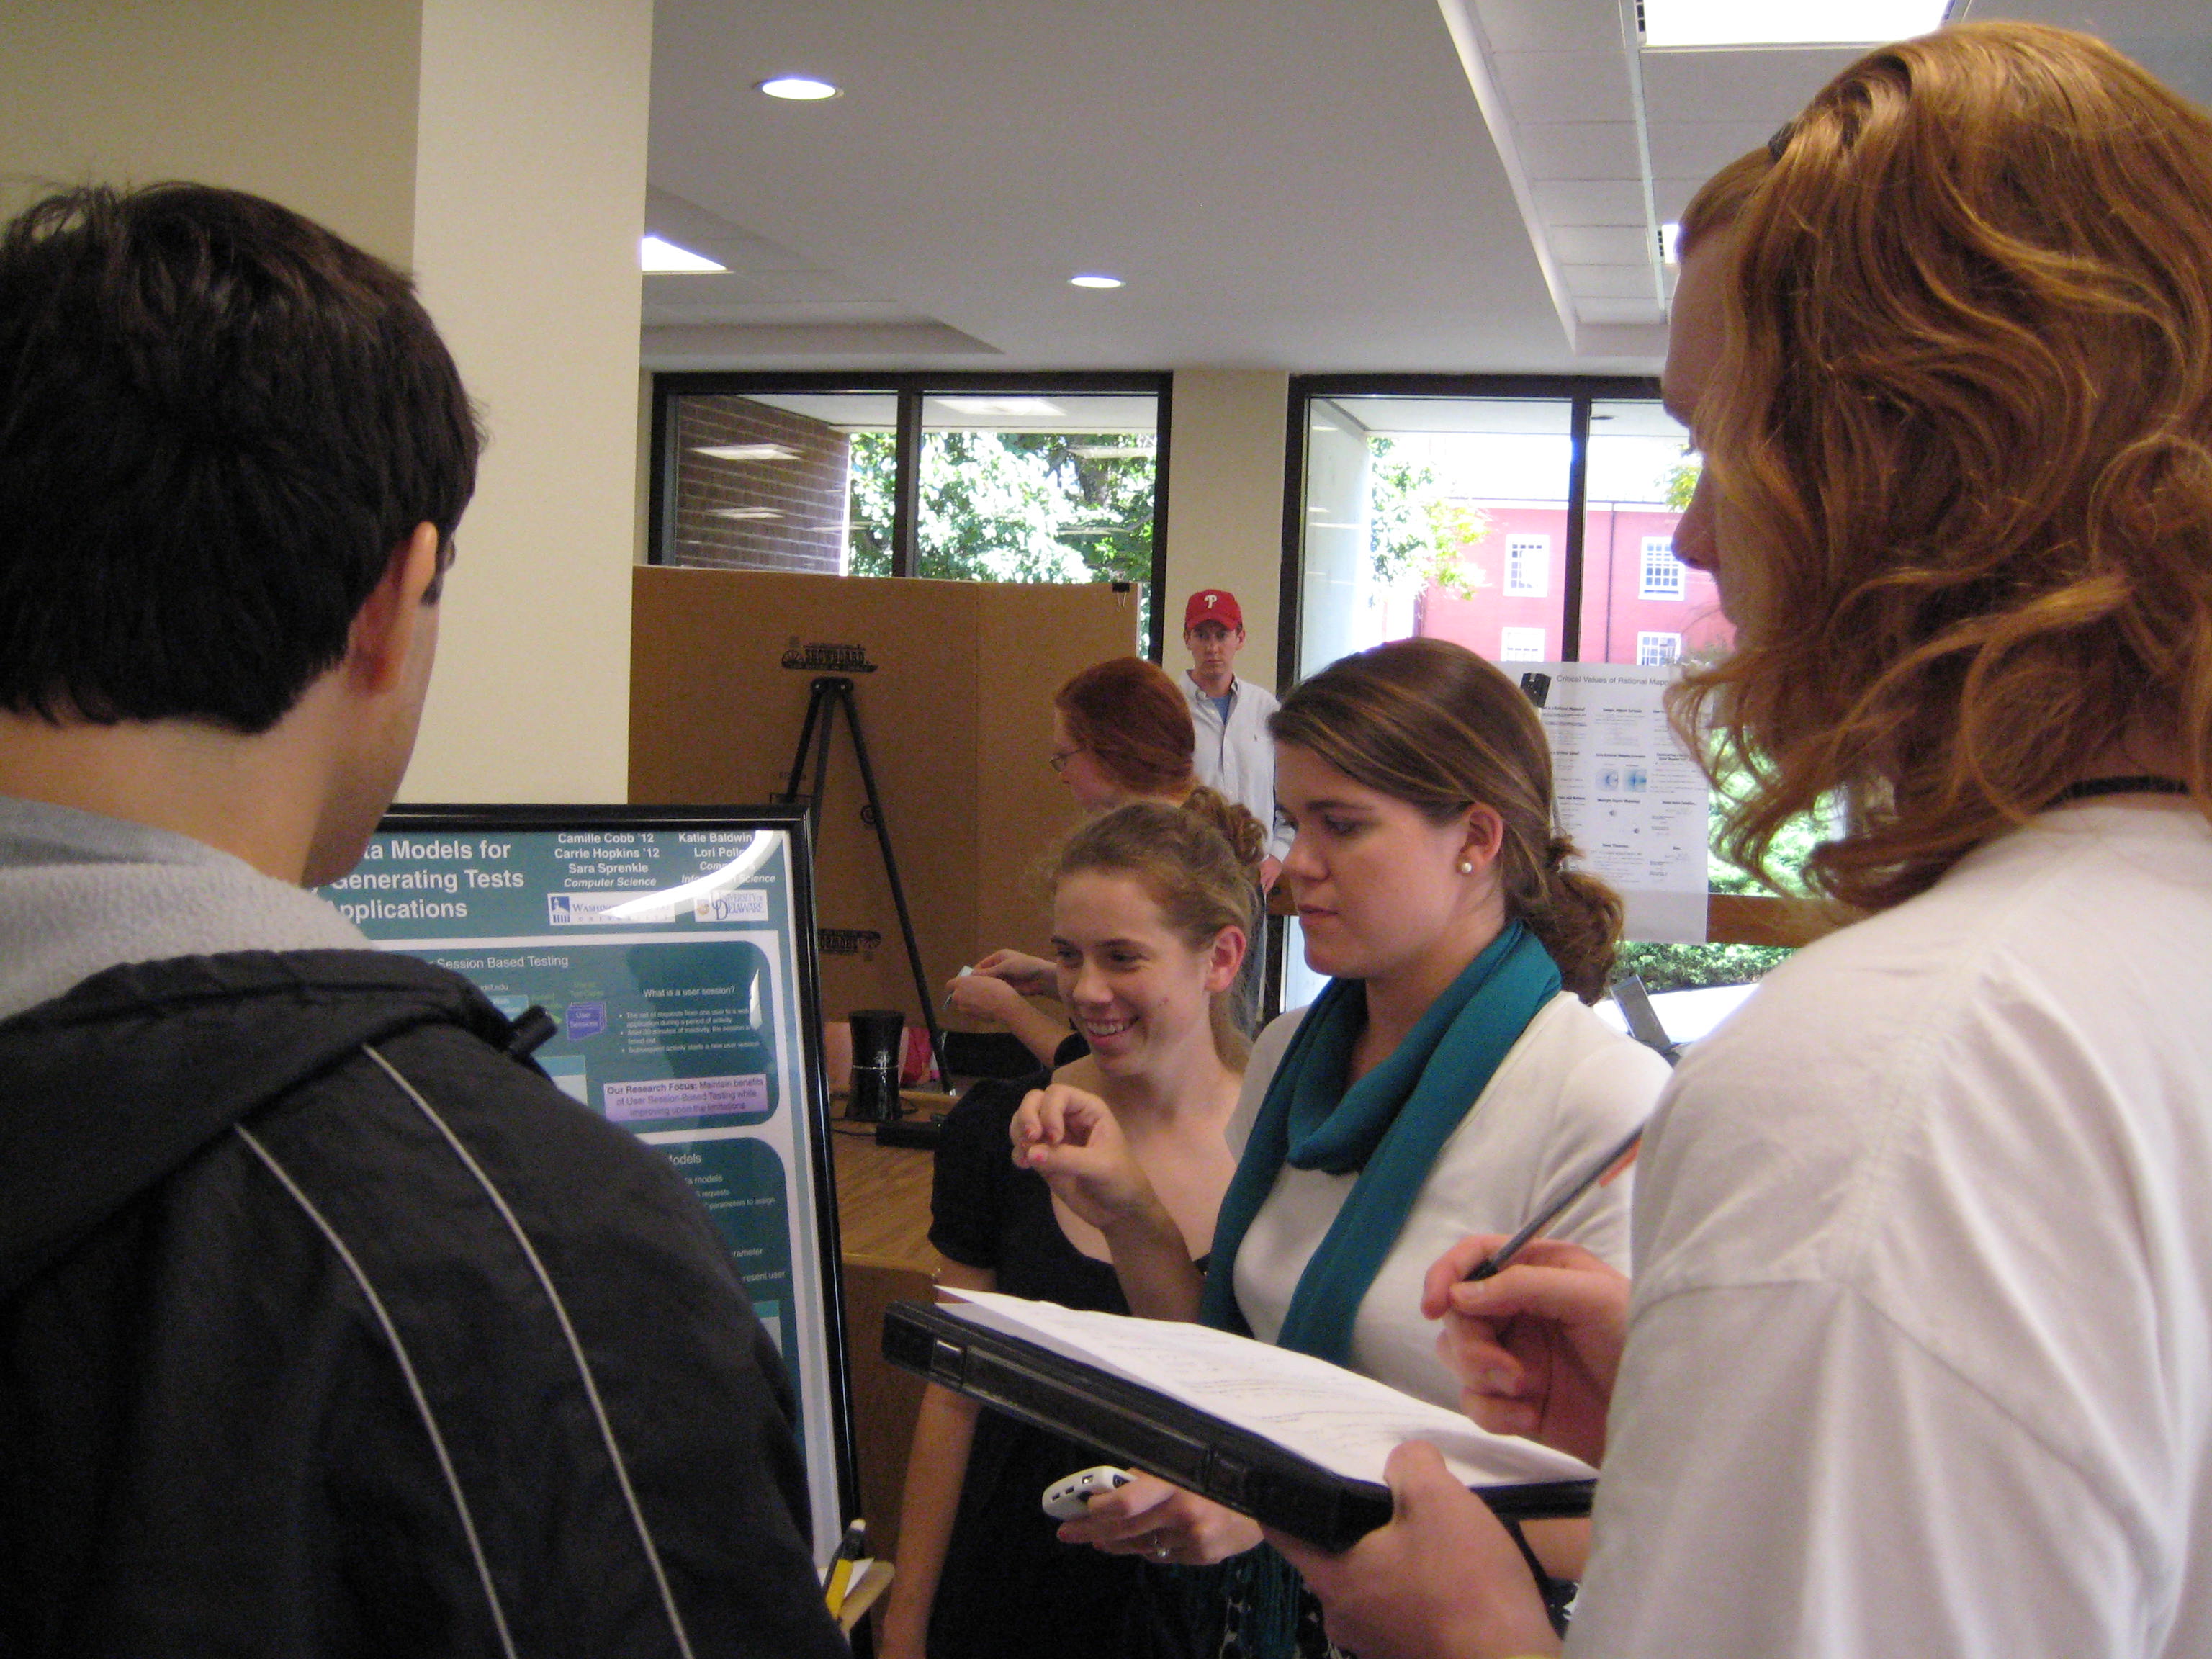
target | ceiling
x=1316, y=186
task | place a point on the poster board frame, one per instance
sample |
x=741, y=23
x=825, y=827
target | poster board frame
x=812, y=1126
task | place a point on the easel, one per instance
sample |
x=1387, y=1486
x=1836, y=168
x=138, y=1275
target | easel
x=825, y=696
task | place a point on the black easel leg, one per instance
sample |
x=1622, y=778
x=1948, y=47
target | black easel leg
x=824, y=697
x=891, y=870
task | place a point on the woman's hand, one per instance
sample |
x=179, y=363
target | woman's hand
x=1443, y=1580
x=1161, y=1523
x=1070, y=1138
x=1033, y=976
x=981, y=996
x=1536, y=1347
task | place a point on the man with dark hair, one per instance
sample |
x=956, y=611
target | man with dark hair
x=326, y=1325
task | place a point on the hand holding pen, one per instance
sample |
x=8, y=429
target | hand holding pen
x=1536, y=1345
x=1537, y=1359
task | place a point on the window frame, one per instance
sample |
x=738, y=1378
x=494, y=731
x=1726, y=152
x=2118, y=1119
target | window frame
x=1732, y=918
x=1518, y=549
x=1645, y=589
x=1580, y=392
x=1543, y=642
x=911, y=387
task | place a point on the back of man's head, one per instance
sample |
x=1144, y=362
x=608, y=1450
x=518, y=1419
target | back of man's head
x=218, y=422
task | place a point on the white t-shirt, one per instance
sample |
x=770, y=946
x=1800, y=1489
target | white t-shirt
x=1920, y=1352
x=1569, y=1087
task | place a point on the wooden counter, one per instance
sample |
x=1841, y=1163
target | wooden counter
x=882, y=1199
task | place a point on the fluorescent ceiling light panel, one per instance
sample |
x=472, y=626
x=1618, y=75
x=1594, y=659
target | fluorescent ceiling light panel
x=1806, y=23
x=665, y=258
x=746, y=452
x=796, y=88
x=1039, y=406
x=1095, y=279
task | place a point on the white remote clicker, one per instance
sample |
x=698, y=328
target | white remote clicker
x=1066, y=1500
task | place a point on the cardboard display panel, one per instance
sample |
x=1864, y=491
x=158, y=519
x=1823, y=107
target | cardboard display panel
x=954, y=683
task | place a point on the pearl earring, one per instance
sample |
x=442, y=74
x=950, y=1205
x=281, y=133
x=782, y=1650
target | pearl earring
x=1466, y=866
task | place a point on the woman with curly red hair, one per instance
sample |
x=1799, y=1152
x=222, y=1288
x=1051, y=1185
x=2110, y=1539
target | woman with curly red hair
x=1918, y=1353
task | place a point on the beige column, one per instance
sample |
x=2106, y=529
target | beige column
x=497, y=150
x=1225, y=504
x=313, y=105
x=530, y=197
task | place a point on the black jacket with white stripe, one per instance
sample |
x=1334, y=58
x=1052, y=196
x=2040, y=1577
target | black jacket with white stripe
x=327, y=1328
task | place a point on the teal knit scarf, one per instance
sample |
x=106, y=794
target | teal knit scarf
x=1388, y=1126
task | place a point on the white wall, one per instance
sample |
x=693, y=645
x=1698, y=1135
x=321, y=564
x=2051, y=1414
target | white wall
x=530, y=197
x=1225, y=504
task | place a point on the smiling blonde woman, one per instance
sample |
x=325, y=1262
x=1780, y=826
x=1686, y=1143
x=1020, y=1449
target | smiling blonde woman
x=1152, y=909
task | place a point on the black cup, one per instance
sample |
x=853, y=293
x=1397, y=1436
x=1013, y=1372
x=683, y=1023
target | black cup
x=877, y=1042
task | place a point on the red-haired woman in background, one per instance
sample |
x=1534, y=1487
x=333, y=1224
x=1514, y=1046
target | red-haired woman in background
x=1121, y=733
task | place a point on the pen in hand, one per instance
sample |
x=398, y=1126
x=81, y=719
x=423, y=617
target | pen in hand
x=1598, y=1175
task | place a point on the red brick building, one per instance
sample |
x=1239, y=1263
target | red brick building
x=1640, y=603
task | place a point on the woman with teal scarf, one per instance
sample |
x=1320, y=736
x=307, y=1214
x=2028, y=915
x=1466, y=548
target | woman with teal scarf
x=1440, y=1085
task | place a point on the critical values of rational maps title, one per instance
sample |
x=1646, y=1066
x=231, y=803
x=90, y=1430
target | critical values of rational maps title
x=468, y=876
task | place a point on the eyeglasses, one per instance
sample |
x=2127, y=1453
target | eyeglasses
x=1061, y=757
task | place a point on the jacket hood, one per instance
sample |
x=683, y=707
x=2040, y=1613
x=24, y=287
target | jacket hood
x=105, y=1089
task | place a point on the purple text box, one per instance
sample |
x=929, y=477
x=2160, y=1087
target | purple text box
x=686, y=1096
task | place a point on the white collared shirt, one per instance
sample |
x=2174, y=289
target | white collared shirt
x=1236, y=756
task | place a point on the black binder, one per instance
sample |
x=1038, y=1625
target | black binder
x=1147, y=1430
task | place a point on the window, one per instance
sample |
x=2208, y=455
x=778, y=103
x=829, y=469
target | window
x=1431, y=505
x=1016, y=478
x=1408, y=505
x=1528, y=565
x=1521, y=645
x=1662, y=571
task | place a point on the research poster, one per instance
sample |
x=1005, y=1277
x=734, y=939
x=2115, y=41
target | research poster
x=665, y=954
x=1628, y=792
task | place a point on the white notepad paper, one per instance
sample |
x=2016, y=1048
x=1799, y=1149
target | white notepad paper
x=1346, y=1423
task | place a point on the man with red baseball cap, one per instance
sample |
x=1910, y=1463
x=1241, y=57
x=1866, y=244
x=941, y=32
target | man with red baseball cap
x=1235, y=753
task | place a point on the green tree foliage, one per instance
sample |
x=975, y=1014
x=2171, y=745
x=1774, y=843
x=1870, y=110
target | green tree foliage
x=1009, y=507
x=1689, y=967
x=1416, y=533
x=1681, y=482
x=1693, y=967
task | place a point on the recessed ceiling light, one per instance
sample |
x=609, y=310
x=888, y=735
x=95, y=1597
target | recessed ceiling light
x=1096, y=281
x=665, y=259
x=1807, y=23
x=797, y=89
x=746, y=452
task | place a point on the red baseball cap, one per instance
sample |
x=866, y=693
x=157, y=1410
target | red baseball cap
x=1213, y=604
